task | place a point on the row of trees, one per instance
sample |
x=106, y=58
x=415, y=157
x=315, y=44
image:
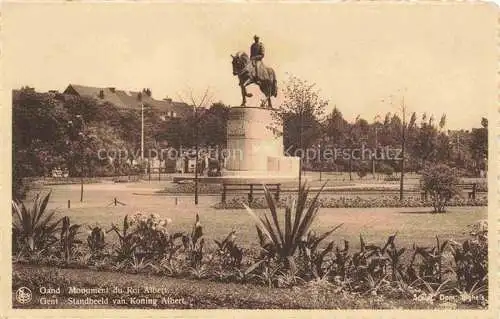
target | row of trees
x=425, y=140
x=74, y=133
x=51, y=130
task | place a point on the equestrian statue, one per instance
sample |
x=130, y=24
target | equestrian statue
x=251, y=70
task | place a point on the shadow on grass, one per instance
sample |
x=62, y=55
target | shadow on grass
x=427, y=212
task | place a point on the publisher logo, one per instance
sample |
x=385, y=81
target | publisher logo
x=24, y=295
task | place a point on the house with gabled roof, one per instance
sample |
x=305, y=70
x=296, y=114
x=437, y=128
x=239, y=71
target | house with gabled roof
x=131, y=99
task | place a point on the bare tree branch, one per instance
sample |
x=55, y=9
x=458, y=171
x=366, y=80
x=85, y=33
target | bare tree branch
x=189, y=97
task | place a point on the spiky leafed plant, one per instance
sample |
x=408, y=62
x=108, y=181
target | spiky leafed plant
x=127, y=241
x=35, y=228
x=95, y=240
x=283, y=241
x=314, y=256
x=138, y=265
x=431, y=268
x=395, y=257
x=471, y=260
x=194, y=243
x=342, y=261
x=228, y=250
x=69, y=238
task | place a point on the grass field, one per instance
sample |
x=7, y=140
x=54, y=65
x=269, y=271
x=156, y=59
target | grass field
x=414, y=225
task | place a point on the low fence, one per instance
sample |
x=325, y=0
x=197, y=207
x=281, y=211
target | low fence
x=78, y=180
x=98, y=179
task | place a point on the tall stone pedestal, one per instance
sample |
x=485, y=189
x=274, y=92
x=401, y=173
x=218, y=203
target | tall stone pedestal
x=254, y=149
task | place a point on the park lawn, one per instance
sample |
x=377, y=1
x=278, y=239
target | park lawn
x=375, y=224
x=413, y=225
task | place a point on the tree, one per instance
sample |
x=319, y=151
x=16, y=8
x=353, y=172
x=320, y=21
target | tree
x=443, y=153
x=389, y=133
x=335, y=126
x=173, y=130
x=355, y=136
x=199, y=107
x=425, y=147
x=441, y=183
x=300, y=132
x=404, y=126
x=213, y=125
x=82, y=146
x=442, y=122
x=38, y=122
x=479, y=145
x=300, y=114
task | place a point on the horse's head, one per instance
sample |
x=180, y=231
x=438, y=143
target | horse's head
x=240, y=61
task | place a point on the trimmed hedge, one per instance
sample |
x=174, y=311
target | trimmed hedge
x=352, y=202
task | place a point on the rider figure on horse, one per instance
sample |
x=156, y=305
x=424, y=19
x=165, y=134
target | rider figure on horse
x=256, y=56
x=251, y=70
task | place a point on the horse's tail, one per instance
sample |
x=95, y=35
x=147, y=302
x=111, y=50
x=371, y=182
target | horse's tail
x=274, y=87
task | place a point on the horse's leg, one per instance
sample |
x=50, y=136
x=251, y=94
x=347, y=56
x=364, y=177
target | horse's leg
x=248, y=81
x=244, y=82
x=267, y=90
x=243, y=95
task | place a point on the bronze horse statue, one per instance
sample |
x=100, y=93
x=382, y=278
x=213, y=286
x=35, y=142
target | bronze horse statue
x=245, y=70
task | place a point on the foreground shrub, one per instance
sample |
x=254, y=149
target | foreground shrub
x=127, y=243
x=441, y=183
x=95, y=240
x=152, y=236
x=282, y=241
x=317, y=294
x=314, y=262
x=431, y=268
x=458, y=270
x=194, y=243
x=145, y=237
x=471, y=259
x=68, y=239
x=145, y=242
x=35, y=228
x=228, y=251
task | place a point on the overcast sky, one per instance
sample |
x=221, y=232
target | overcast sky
x=442, y=58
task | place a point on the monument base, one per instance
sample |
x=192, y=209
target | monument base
x=255, y=146
x=276, y=166
x=254, y=151
x=238, y=179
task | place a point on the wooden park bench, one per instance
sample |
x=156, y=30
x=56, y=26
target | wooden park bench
x=470, y=187
x=252, y=189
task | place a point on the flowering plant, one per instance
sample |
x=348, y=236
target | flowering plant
x=153, y=237
x=144, y=221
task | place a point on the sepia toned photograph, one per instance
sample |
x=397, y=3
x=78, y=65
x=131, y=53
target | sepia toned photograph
x=321, y=156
